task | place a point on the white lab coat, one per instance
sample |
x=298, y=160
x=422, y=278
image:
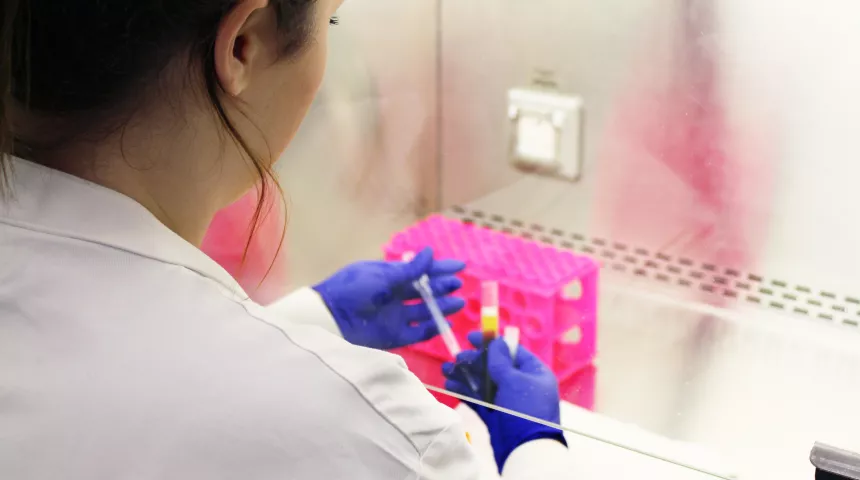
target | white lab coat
x=126, y=353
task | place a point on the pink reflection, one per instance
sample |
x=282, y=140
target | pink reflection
x=674, y=174
x=263, y=276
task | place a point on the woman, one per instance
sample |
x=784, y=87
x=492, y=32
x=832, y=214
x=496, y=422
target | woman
x=125, y=352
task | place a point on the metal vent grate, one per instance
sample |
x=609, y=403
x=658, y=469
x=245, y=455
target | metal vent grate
x=683, y=272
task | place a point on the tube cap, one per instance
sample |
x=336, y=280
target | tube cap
x=489, y=294
x=512, y=339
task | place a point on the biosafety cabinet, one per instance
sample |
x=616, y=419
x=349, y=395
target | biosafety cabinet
x=703, y=153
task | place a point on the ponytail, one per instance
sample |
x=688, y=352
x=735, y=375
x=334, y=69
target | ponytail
x=9, y=20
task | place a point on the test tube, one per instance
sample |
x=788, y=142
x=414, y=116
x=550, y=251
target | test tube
x=490, y=330
x=490, y=309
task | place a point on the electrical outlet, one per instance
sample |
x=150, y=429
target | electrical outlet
x=546, y=132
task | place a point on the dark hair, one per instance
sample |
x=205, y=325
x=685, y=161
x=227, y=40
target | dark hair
x=79, y=65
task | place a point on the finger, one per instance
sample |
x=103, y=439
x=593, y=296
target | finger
x=456, y=371
x=420, y=313
x=528, y=362
x=499, y=361
x=476, y=338
x=460, y=388
x=440, y=286
x=450, y=305
x=421, y=332
x=469, y=358
x=414, y=269
x=446, y=267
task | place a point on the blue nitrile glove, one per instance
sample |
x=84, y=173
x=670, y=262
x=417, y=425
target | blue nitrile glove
x=367, y=299
x=527, y=387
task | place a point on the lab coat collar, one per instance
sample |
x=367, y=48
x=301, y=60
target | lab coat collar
x=55, y=203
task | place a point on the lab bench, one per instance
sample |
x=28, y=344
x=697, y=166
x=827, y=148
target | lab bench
x=753, y=368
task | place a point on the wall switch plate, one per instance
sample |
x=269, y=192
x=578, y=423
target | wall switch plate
x=546, y=132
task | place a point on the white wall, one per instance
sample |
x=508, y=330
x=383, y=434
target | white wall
x=787, y=95
x=794, y=66
x=364, y=162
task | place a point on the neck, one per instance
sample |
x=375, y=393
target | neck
x=182, y=177
x=174, y=199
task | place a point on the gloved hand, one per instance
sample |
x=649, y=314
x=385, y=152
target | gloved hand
x=367, y=300
x=525, y=386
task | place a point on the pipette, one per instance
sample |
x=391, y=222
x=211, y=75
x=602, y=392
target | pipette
x=422, y=285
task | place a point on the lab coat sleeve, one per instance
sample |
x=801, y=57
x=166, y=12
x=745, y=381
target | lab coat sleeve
x=305, y=307
x=539, y=459
x=437, y=433
x=438, y=446
x=449, y=456
x=379, y=421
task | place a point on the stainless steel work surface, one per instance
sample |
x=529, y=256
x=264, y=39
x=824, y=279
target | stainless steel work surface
x=757, y=386
x=754, y=369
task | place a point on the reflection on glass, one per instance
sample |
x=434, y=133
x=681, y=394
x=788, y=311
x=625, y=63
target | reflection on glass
x=711, y=193
x=712, y=178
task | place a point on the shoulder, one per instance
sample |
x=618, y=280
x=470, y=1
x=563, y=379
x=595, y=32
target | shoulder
x=379, y=379
x=196, y=380
x=302, y=399
x=307, y=384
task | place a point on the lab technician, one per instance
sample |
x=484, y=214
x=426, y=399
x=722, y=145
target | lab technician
x=125, y=352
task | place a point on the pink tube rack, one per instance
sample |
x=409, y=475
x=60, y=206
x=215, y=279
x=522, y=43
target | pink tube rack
x=550, y=294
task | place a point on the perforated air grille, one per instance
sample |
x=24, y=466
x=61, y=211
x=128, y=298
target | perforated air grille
x=682, y=272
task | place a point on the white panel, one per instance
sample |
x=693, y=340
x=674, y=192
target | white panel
x=364, y=162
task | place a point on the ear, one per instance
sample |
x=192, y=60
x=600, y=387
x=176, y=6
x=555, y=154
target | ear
x=237, y=46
